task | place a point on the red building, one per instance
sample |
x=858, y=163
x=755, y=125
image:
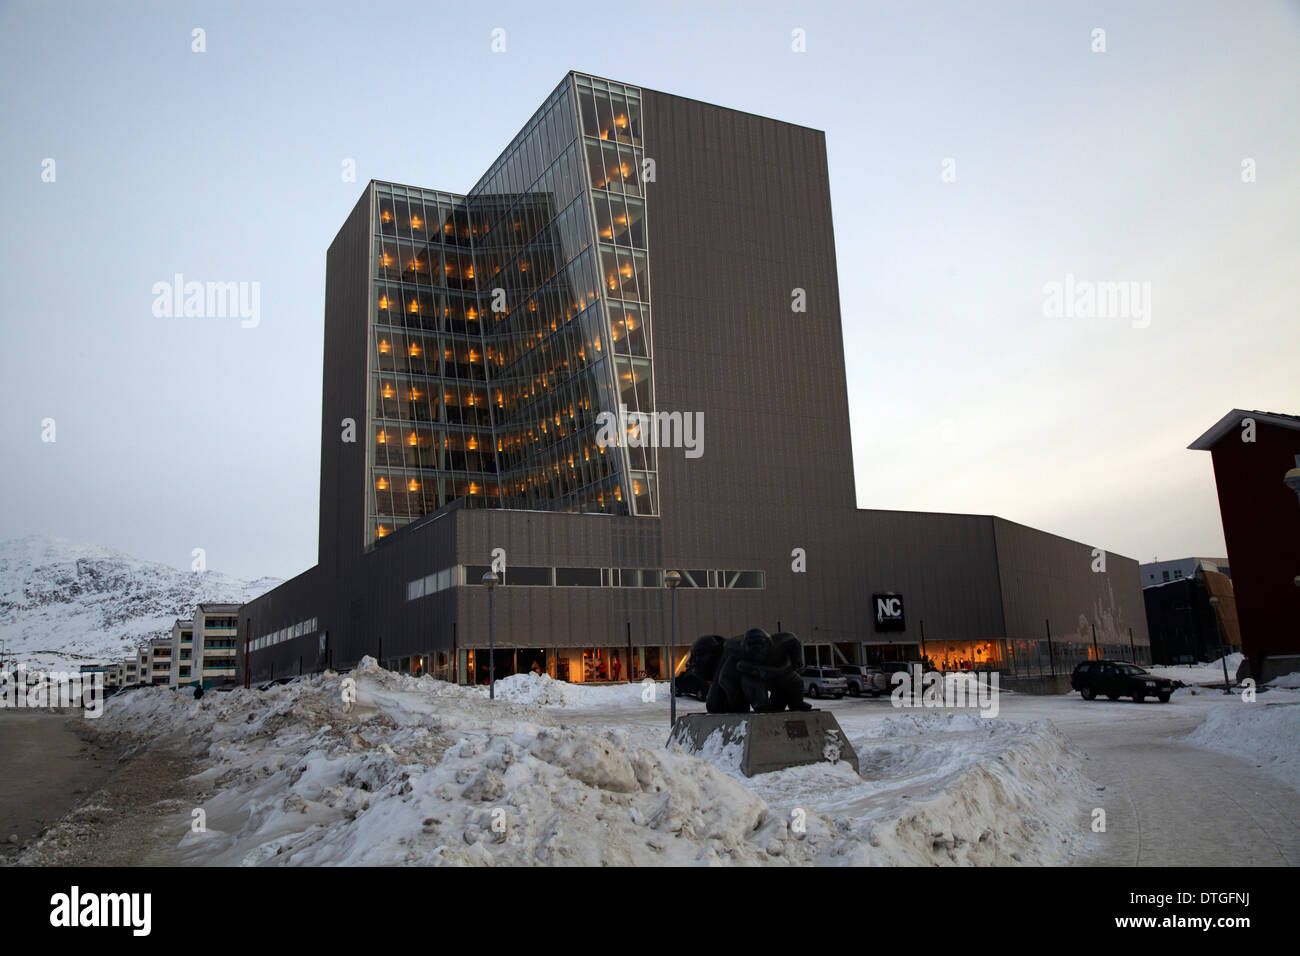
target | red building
x=1260, y=508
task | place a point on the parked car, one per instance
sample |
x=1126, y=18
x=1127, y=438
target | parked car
x=1116, y=679
x=823, y=682
x=865, y=680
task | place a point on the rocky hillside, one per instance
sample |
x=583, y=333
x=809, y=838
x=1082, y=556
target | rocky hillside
x=64, y=604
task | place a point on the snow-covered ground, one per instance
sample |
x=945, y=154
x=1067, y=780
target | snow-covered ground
x=1266, y=733
x=1211, y=673
x=418, y=771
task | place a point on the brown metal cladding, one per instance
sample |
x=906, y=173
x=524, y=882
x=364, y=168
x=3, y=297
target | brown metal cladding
x=739, y=216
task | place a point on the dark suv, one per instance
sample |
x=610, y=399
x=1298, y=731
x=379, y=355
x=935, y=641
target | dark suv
x=865, y=680
x=1116, y=679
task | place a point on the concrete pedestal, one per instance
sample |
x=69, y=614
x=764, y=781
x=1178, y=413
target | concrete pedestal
x=770, y=741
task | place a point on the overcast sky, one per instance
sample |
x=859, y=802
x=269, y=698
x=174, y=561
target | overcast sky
x=1122, y=165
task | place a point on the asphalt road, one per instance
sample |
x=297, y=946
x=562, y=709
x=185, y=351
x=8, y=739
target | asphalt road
x=47, y=769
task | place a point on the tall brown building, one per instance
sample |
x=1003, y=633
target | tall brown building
x=620, y=352
x=1252, y=454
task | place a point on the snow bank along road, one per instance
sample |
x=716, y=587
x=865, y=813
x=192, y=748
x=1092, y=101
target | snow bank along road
x=1206, y=779
x=416, y=771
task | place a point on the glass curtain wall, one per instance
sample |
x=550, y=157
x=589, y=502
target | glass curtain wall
x=613, y=150
x=430, y=417
x=548, y=352
x=504, y=322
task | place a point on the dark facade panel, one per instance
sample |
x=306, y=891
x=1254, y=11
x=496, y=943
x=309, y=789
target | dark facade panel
x=382, y=622
x=291, y=602
x=944, y=565
x=345, y=382
x=1046, y=578
x=1261, y=527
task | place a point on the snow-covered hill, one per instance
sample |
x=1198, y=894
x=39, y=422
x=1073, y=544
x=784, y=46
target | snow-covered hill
x=64, y=604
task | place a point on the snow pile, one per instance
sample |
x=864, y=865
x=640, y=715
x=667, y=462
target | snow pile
x=1285, y=682
x=420, y=772
x=1022, y=803
x=910, y=724
x=948, y=789
x=539, y=689
x=1211, y=673
x=1264, y=734
x=542, y=690
x=417, y=771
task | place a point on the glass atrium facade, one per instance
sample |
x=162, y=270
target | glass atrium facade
x=503, y=323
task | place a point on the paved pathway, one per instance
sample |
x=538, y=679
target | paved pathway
x=1169, y=803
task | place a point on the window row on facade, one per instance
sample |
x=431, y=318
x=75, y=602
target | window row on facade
x=404, y=397
x=600, y=497
x=414, y=353
x=445, y=223
x=399, y=494
x=546, y=577
x=615, y=169
x=625, y=273
x=440, y=449
x=561, y=474
x=300, y=629
x=404, y=306
x=619, y=220
x=424, y=265
x=609, y=111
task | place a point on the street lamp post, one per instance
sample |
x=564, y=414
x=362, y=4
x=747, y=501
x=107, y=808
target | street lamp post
x=1214, y=606
x=671, y=580
x=490, y=582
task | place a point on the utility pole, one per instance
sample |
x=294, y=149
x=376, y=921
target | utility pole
x=671, y=580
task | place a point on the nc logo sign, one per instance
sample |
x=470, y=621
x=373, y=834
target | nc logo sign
x=889, y=612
